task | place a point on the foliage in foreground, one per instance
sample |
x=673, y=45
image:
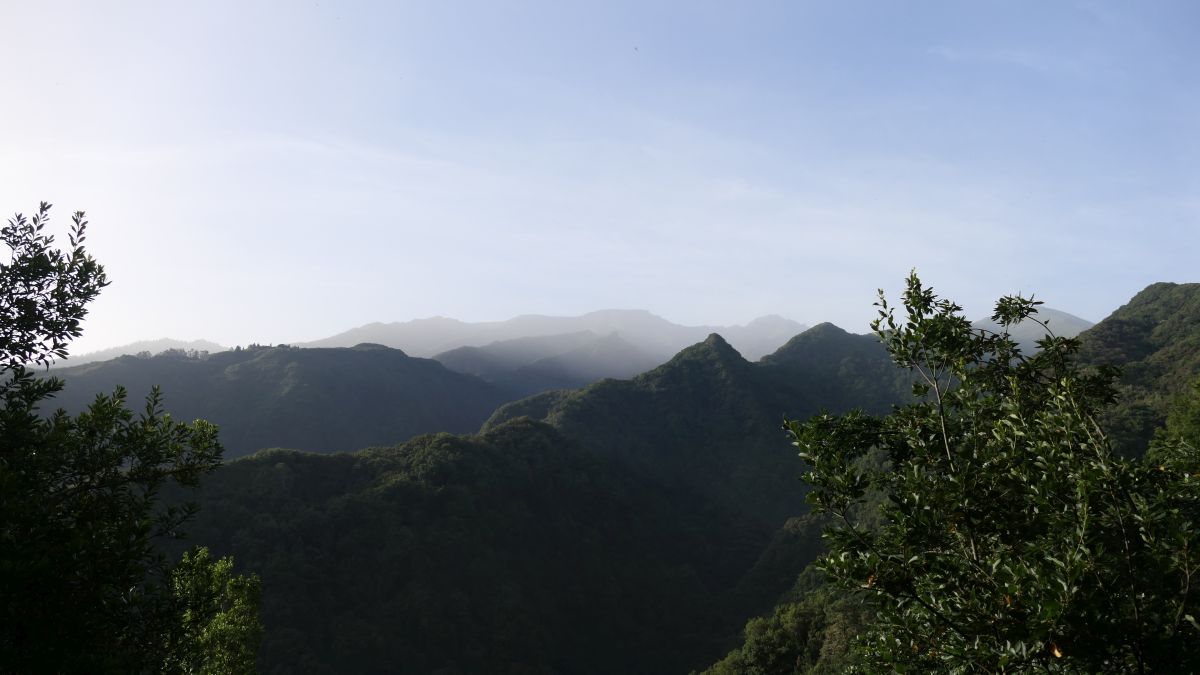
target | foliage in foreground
x=82, y=586
x=1012, y=538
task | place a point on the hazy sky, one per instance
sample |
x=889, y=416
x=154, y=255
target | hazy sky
x=282, y=171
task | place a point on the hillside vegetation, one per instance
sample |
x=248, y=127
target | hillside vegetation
x=1155, y=340
x=511, y=552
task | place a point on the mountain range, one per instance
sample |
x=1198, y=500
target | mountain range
x=653, y=335
x=628, y=526
x=530, y=365
x=527, y=354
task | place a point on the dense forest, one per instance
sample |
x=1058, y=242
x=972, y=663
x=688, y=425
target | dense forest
x=661, y=503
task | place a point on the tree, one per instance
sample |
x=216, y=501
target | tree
x=1009, y=537
x=83, y=587
x=218, y=630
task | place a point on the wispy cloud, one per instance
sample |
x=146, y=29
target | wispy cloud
x=1040, y=61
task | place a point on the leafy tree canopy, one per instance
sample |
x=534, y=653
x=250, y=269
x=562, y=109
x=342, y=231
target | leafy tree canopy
x=82, y=585
x=1009, y=537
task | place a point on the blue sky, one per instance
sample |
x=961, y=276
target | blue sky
x=281, y=171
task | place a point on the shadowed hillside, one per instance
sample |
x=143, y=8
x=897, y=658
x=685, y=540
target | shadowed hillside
x=324, y=400
x=511, y=552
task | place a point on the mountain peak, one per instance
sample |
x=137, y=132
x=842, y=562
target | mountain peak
x=822, y=339
x=713, y=351
x=716, y=341
x=826, y=329
x=1028, y=332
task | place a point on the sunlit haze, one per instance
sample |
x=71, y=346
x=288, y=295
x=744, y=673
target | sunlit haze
x=283, y=171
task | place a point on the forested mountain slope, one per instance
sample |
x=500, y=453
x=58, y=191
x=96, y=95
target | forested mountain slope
x=838, y=371
x=511, y=552
x=323, y=400
x=1155, y=340
x=635, y=532
x=709, y=421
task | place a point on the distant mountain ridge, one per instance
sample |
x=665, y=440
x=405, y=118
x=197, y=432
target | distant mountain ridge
x=647, y=332
x=1028, y=332
x=527, y=354
x=527, y=366
x=143, y=346
x=496, y=359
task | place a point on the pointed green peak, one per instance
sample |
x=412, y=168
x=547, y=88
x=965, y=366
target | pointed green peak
x=714, y=357
x=716, y=340
x=820, y=333
x=822, y=343
x=713, y=349
x=825, y=330
x=717, y=344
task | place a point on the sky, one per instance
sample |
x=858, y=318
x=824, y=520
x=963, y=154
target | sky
x=282, y=171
